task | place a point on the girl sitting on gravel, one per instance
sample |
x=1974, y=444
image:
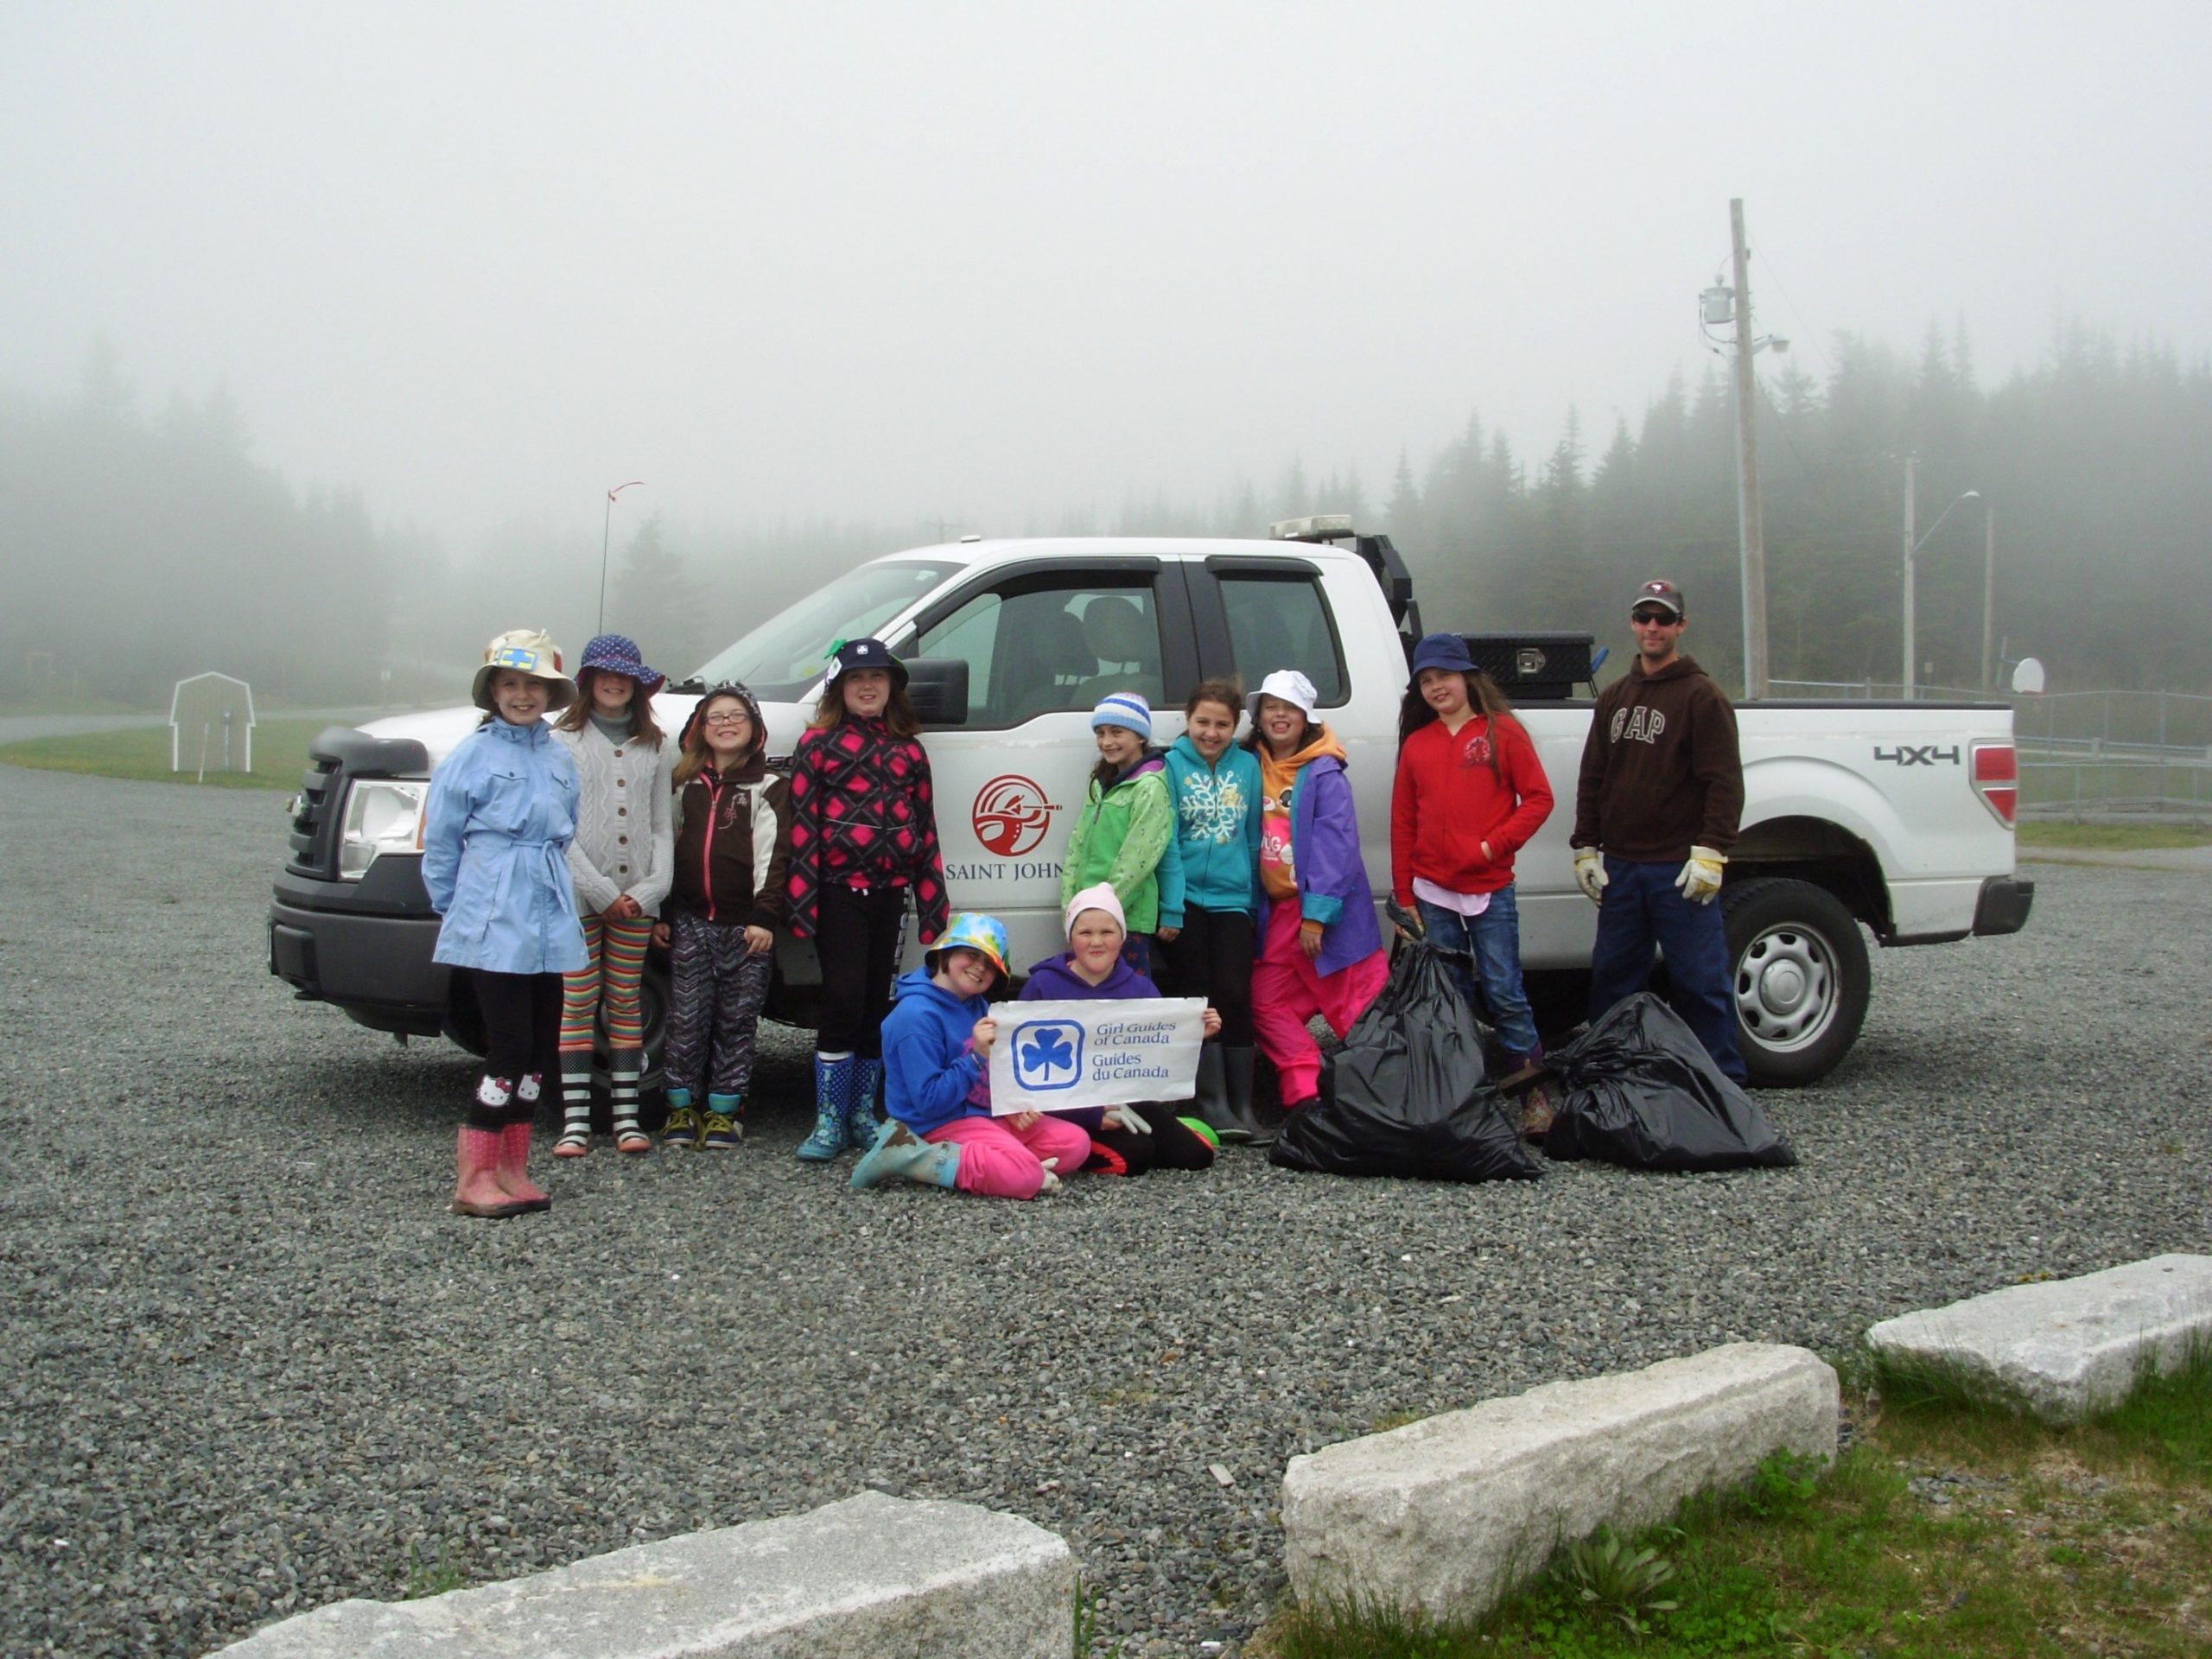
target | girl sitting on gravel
x=734, y=824
x=1125, y=1139
x=937, y=1082
x=1125, y=835
x=1320, y=950
x=863, y=839
x=619, y=860
x=496, y=827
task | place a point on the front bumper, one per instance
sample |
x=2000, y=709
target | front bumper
x=362, y=946
x=2004, y=905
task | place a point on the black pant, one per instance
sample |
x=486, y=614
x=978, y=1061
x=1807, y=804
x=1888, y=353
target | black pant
x=522, y=1029
x=1212, y=958
x=857, y=935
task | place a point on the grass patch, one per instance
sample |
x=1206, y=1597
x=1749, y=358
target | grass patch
x=1949, y=1526
x=279, y=755
x=2112, y=837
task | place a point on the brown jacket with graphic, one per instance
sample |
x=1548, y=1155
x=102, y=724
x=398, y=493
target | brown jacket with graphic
x=1660, y=768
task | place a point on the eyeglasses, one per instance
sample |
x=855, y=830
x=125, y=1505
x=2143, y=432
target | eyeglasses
x=1653, y=618
x=732, y=718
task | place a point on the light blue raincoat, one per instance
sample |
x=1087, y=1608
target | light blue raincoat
x=495, y=852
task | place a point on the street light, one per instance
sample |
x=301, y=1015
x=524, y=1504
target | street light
x=1912, y=552
x=606, y=523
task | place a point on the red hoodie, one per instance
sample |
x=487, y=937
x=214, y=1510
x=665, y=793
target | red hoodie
x=1450, y=798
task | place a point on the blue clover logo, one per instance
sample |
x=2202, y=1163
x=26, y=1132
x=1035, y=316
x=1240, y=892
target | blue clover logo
x=1047, y=1054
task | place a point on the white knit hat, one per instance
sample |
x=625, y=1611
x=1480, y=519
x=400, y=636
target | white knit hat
x=1289, y=685
x=1101, y=896
x=1127, y=709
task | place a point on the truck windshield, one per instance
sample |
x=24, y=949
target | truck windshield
x=784, y=656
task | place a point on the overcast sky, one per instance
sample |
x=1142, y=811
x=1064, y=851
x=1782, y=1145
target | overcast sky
x=902, y=262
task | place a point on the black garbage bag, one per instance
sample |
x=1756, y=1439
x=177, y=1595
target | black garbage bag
x=1638, y=1089
x=1405, y=1095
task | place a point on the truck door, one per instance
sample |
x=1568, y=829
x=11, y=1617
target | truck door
x=1044, y=640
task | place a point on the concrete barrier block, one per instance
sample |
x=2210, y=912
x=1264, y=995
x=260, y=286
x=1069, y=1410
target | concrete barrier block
x=1446, y=1516
x=868, y=1578
x=2065, y=1349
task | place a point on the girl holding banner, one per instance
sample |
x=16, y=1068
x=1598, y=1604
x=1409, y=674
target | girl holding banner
x=1125, y=1139
x=936, y=1086
x=1321, y=951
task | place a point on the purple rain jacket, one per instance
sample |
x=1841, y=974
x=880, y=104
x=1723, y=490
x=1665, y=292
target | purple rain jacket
x=1333, y=886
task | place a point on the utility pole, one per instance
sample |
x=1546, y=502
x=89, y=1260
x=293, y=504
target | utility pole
x=1988, y=597
x=1911, y=474
x=1750, y=528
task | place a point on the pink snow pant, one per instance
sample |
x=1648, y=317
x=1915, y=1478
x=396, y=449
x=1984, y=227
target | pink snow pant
x=1287, y=993
x=1001, y=1161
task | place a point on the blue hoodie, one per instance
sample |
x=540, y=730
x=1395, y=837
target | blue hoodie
x=1216, y=825
x=931, y=1075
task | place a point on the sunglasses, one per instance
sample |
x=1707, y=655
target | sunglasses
x=1653, y=618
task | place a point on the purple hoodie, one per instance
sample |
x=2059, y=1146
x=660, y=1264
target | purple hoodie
x=1333, y=886
x=1055, y=979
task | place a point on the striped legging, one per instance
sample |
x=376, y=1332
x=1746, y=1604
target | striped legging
x=616, y=953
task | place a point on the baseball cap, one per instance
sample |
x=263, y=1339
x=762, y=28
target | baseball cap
x=1657, y=592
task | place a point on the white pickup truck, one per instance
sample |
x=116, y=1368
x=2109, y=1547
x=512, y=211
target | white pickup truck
x=1897, y=816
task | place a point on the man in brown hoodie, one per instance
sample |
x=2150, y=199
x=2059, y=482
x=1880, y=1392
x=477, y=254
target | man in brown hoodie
x=1655, y=812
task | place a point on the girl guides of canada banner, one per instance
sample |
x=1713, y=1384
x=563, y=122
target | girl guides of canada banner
x=1052, y=1056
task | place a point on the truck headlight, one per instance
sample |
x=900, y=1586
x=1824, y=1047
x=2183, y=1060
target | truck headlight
x=382, y=816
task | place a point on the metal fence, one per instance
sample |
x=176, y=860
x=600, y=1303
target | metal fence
x=2143, y=755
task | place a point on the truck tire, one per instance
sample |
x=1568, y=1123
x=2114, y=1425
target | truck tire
x=1801, y=980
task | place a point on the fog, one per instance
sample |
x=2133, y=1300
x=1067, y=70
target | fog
x=999, y=267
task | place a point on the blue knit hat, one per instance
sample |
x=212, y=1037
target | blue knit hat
x=1127, y=709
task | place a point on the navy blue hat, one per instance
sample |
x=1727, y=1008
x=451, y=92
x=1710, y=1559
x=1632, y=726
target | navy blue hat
x=616, y=653
x=1446, y=651
x=864, y=653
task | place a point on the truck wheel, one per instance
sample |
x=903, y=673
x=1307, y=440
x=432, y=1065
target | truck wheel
x=1801, y=980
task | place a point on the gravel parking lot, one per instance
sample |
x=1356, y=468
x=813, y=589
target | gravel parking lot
x=251, y=1365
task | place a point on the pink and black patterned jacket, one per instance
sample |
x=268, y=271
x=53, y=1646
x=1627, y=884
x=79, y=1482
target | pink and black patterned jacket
x=862, y=816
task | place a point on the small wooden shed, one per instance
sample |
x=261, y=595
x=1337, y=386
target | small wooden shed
x=211, y=724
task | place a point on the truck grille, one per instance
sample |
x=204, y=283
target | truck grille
x=317, y=799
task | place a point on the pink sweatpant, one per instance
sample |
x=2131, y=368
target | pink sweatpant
x=1001, y=1161
x=1287, y=993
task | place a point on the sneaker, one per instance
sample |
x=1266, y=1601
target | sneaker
x=721, y=1133
x=681, y=1128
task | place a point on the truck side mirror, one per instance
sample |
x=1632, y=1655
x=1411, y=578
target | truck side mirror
x=938, y=687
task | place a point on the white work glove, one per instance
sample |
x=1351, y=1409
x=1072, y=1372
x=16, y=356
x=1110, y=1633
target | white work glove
x=1590, y=873
x=1126, y=1117
x=1700, y=876
x=1051, y=1182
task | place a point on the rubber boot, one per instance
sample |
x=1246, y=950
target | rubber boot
x=1210, y=1102
x=859, y=1113
x=1237, y=1078
x=575, y=1104
x=476, y=1189
x=512, y=1172
x=833, y=1085
x=624, y=1067
x=901, y=1154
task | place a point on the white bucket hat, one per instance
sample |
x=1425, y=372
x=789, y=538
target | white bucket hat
x=1289, y=685
x=530, y=651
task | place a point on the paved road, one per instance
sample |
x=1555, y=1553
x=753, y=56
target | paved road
x=2197, y=860
x=18, y=728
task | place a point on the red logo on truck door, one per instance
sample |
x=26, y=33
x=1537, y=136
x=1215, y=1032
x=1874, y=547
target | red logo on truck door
x=1011, y=815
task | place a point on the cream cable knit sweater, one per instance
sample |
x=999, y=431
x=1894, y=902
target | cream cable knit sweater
x=625, y=836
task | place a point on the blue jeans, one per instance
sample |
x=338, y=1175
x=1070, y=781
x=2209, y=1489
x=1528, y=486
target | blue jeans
x=1643, y=907
x=1493, y=940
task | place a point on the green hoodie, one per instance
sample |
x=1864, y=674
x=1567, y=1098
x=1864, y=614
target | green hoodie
x=1126, y=835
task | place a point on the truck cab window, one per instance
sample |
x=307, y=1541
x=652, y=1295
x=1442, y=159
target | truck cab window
x=1036, y=649
x=1283, y=622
